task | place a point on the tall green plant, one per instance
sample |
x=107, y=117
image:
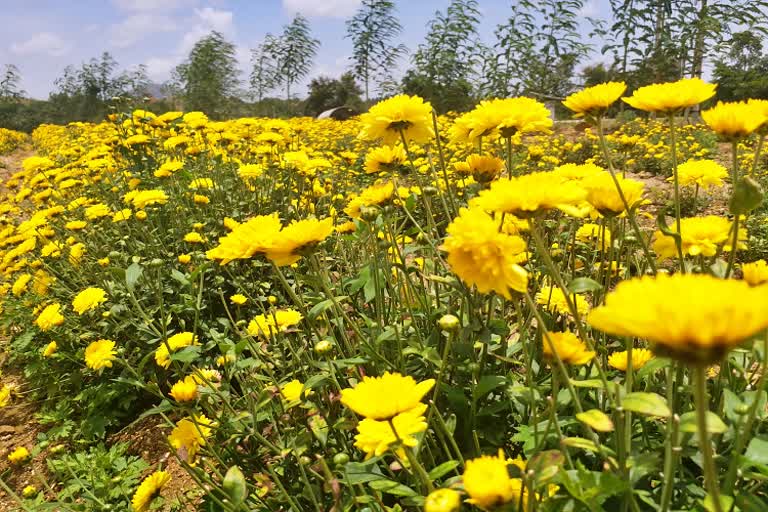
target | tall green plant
x=295, y=52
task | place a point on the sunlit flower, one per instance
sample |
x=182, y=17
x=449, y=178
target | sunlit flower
x=487, y=481
x=640, y=356
x=671, y=96
x=442, y=500
x=50, y=349
x=700, y=236
x=292, y=390
x=88, y=300
x=505, y=117
x=298, y=237
x=385, y=158
x=484, y=256
x=20, y=454
x=733, y=120
x=383, y=398
x=693, y=317
x=50, y=317
x=376, y=437
x=100, y=354
x=174, y=343
x=246, y=240
x=484, y=168
x=604, y=197
x=148, y=489
x=596, y=99
x=553, y=298
x=409, y=115
x=755, y=273
x=239, y=299
x=569, y=348
x=189, y=435
x=184, y=390
x=704, y=173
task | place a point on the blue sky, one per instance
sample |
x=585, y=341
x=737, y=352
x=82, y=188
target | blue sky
x=42, y=36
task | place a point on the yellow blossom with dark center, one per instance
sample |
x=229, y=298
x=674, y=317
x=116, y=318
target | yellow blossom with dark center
x=409, y=115
x=596, y=99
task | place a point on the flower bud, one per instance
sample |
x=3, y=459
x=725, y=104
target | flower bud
x=323, y=346
x=442, y=500
x=449, y=323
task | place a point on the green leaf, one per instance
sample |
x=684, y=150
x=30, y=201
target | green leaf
x=589, y=383
x=757, y=451
x=661, y=222
x=652, y=366
x=443, y=469
x=584, y=284
x=546, y=464
x=596, y=419
x=487, y=384
x=323, y=305
x=181, y=278
x=234, y=485
x=689, y=424
x=186, y=355
x=580, y=442
x=392, y=487
x=360, y=473
x=649, y=404
x=132, y=275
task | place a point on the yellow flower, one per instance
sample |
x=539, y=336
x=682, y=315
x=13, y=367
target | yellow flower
x=593, y=232
x=383, y=398
x=239, y=299
x=596, y=99
x=692, y=317
x=174, y=343
x=483, y=256
x=375, y=437
x=292, y=391
x=76, y=225
x=704, y=173
x=50, y=349
x=201, y=183
x=734, y=120
x=604, y=197
x=100, y=354
x=29, y=491
x=280, y=320
x=201, y=199
x=299, y=236
x=505, y=117
x=755, y=273
x=144, y=198
x=193, y=237
x=568, y=346
x=672, y=96
x=484, y=168
x=189, y=435
x=88, y=299
x=442, y=500
x=148, y=489
x=19, y=455
x=246, y=240
x=50, y=317
x=525, y=195
x=554, y=299
x=700, y=236
x=487, y=481
x=409, y=115
x=5, y=395
x=184, y=258
x=184, y=390
x=640, y=356
x=20, y=285
x=385, y=158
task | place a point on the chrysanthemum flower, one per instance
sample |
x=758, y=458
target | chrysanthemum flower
x=299, y=236
x=372, y=196
x=50, y=349
x=88, y=300
x=504, y=117
x=553, y=298
x=568, y=347
x=142, y=199
x=184, y=390
x=604, y=197
x=734, y=120
x=443, y=500
x=276, y=321
x=700, y=235
x=189, y=435
x=20, y=454
x=593, y=233
x=20, y=284
x=755, y=273
x=246, y=240
x=375, y=437
x=75, y=225
x=484, y=168
x=577, y=172
x=174, y=343
x=694, y=317
x=410, y=115
x=383, y=398
x=193, y=237
x=487, y=481
x=704, y=173
x=526, y=195
x=484, y=256
x=596, y=99
x=385, y=158
x=239, y=299
x=640, y=356
x=292, y=391
x=50, y=317
x=671, y=96
x=148, y=489
x=100, y=354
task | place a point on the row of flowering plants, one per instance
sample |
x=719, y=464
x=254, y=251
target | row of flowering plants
x=403, y=311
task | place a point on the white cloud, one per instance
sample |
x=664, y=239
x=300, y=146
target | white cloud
x=42, y=43
x=589, y=9
x=159, y=68
x=208, y=19
x=148, y=5
x=137, y=26
x=326, y=8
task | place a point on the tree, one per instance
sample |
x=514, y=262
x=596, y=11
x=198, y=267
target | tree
x=537, y=50
x=209, y=76
x=295, y=52
x=326, y=93
x=372, y=30
x=265, y=75
x=10, y=84
x=446, y=63
x=742, y=72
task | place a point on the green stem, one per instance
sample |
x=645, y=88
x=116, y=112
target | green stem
x=734, y=182
x=702, y=407
x=673, y=151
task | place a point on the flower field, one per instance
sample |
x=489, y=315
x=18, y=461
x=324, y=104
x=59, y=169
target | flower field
x=402, y=311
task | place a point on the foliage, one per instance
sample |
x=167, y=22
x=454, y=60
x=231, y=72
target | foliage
x=209, y=76
x=296, y=50
x=326, y=93
x=10, y=88
x=373, y=29
x=743, y=72
x=265, y=74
